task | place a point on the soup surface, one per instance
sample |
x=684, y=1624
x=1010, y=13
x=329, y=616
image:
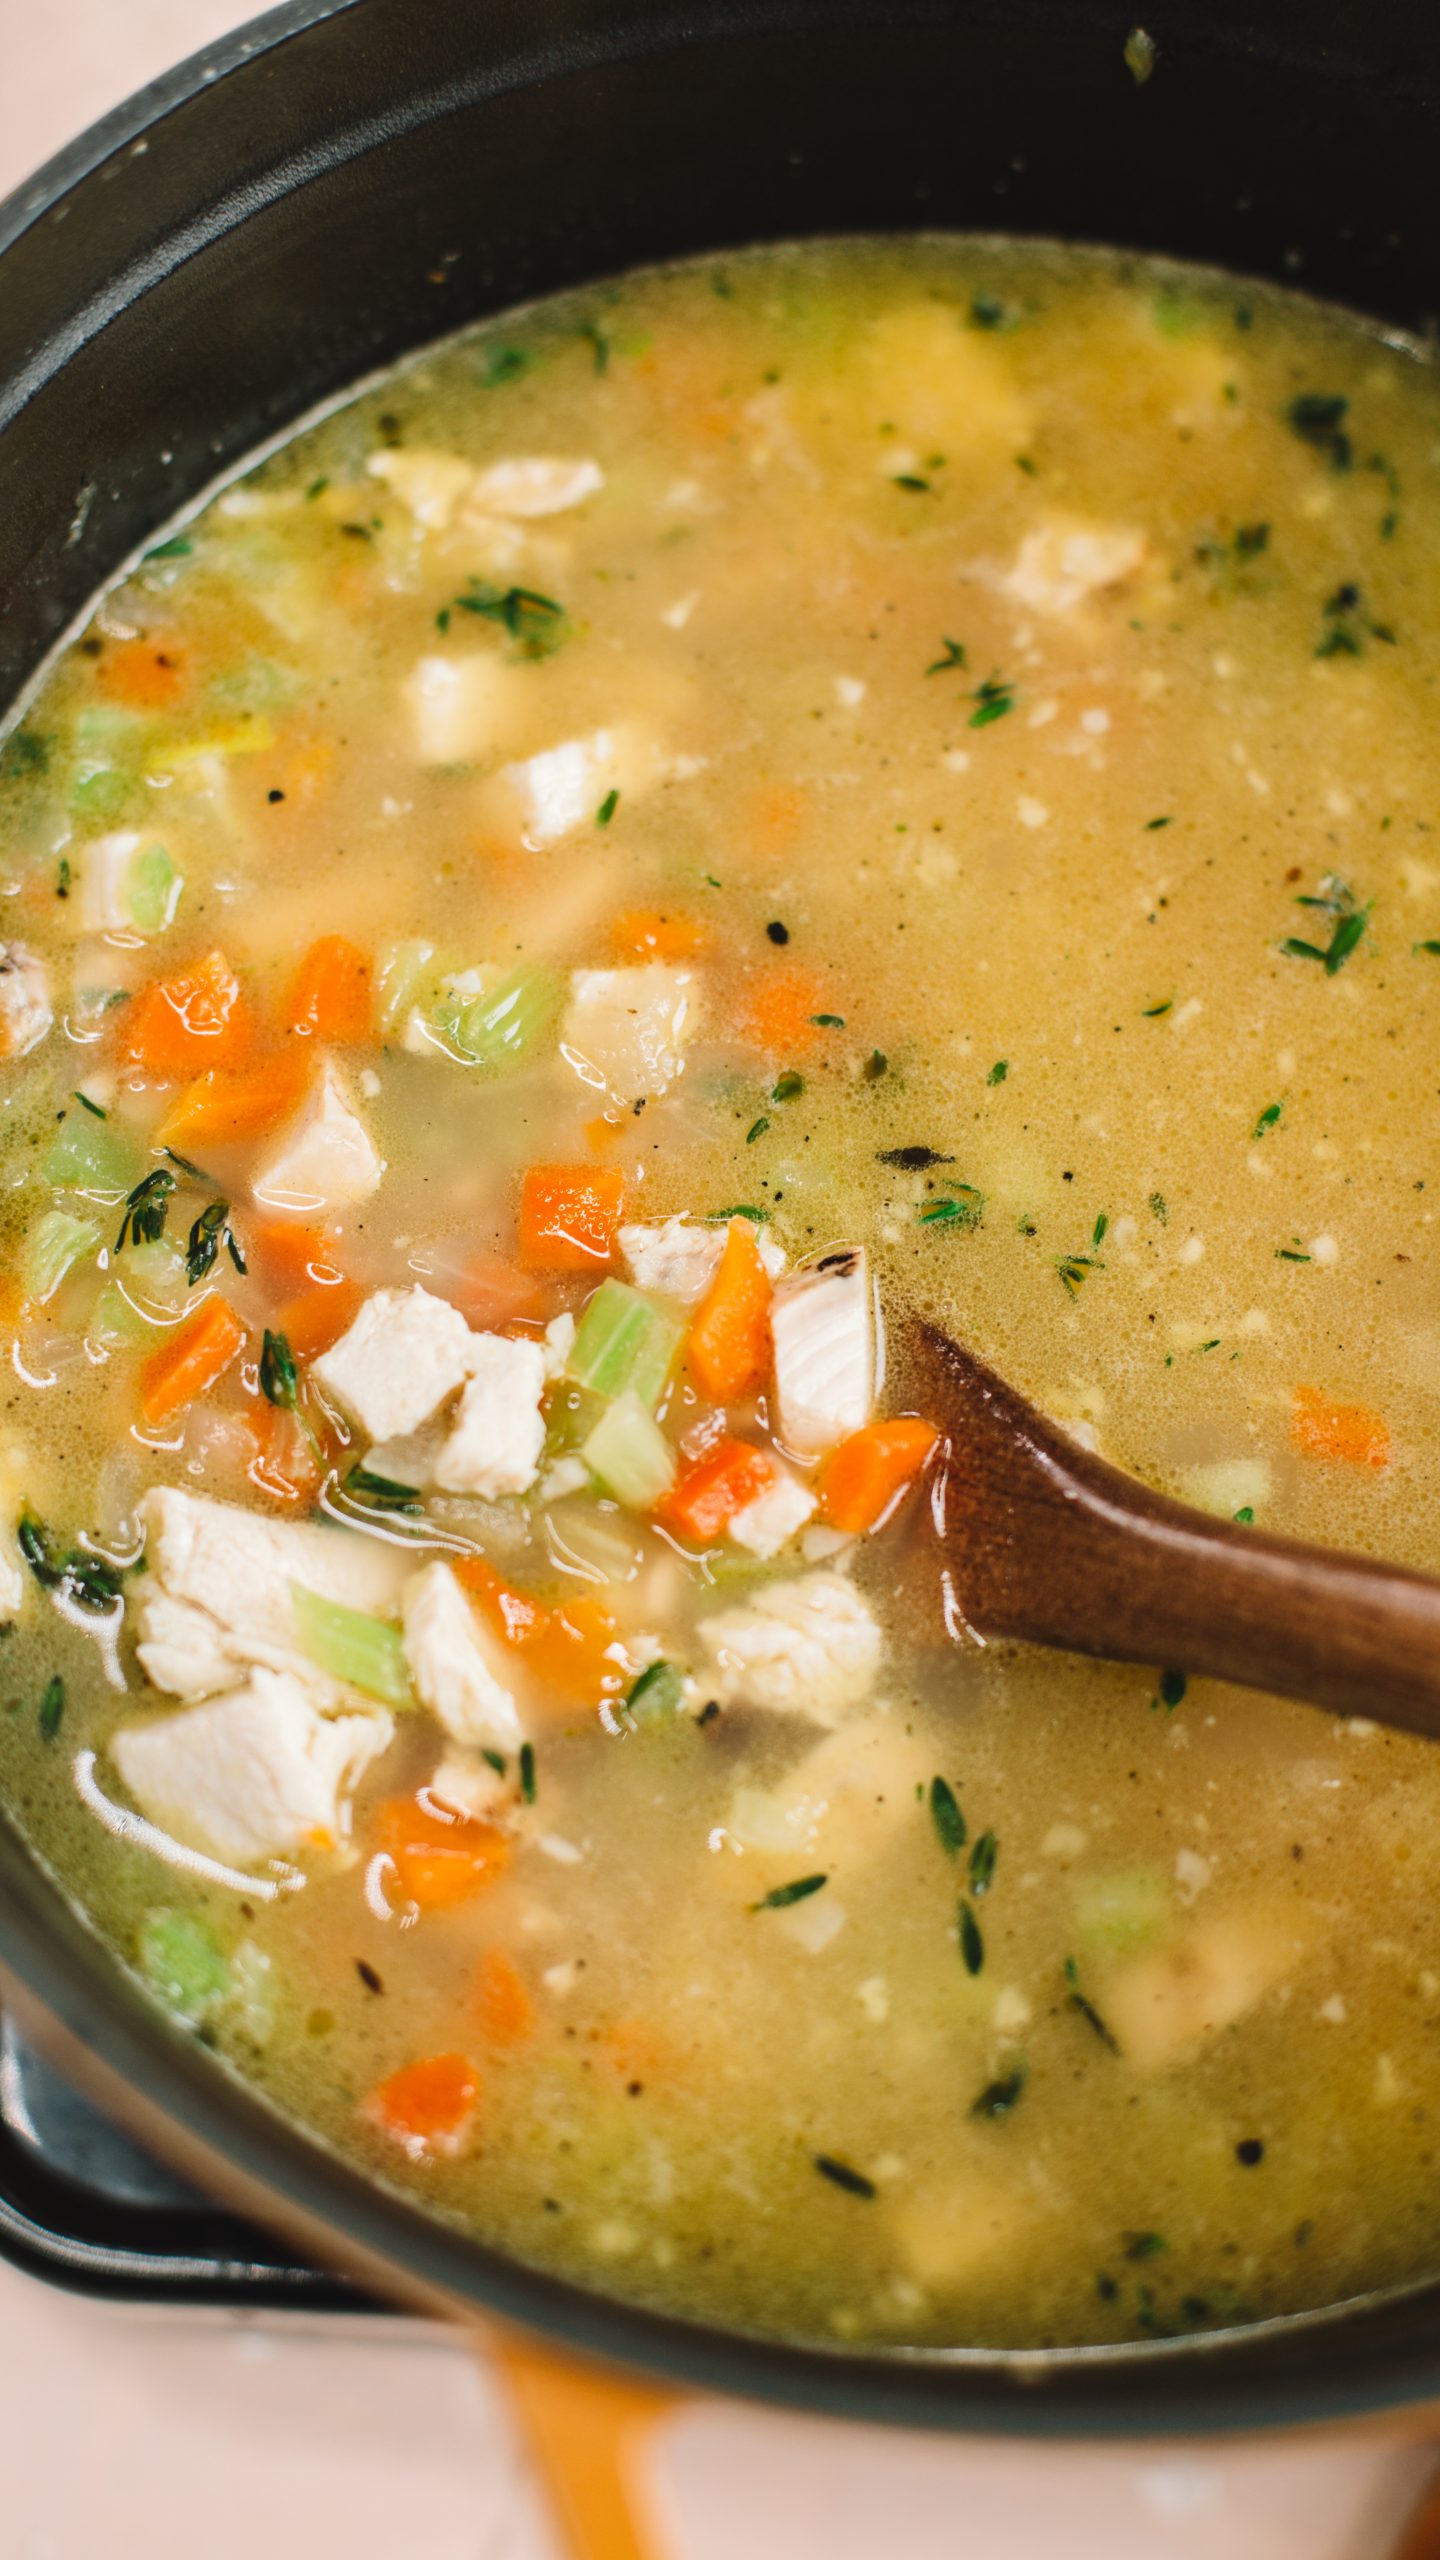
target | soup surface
x=667, y=833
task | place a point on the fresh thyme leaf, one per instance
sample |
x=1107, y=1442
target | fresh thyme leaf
x=1171, y=1693
x=146, y=1209
x=87, y=1105
x=987, y=311
x=1293, y=1252
x=992, y=700
x=963, y=1206
x=787, y=1088
x=1347, y=925
x=982, y=1864
x=1245, y=1515
x=503, y=364
x=179, y=547
x=278, y=1378
x=947, y=1817
x=536, y=623
x=840, y=2174
x=828, y=1021
x=999, y=1071
x=875, y=1066
x=1318, y=419
x=912, y=481
x=1072, y=1268
x=757, y=1217
x=1425, y=946
x=1001, y=2096
x=607, y=808
x=196, y=1172
x=953, y=656
x=756, y=1130
x=1267, y=1119
x=780, y=1896
x=1086, y=2009
x=1097, y=1237
x=1152, y=1012
x=972, y=1945
x=1158, y=1209
x=380, y=1493
x=52, y=1707
x=210, y=1228
x=74, y=1574
x=494, y=1759
x=528, y=1786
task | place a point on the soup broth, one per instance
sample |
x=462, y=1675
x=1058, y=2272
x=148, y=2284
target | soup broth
x=668, y=832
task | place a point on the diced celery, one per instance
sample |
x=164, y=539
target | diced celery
x=91, y=1155
x=501, y=1027
x=1127, y=1909
x=657, y=1694
x=257, y=684
x=623, y=1341
x=363, y=1651
x=628, y=1453
x=570, y=1416
x=103, y=781
x=182, y=1959
x=101, y=795
x=53, y=1246
x=406, y=978
x=153, y=890
x=150, y=1288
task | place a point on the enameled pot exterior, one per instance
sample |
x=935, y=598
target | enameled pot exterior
x=352, y=177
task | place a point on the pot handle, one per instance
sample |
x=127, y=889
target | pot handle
x=589, y=2431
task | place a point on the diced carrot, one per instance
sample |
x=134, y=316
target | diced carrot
x=441, y=1858
x=570, y=1651
x=182, y=1026
x=221, y=1110
x=330, y=999
x=146, y=675
x=569, y=1214
x=290, y=1256
x=503, y=2003
x=490, y=1292
x=729, y=1344
x=1352, y=1432
x=860, y=1480
x=196, y=1354
x=649, y=933
x=704, y=1502
x=777, y=816
x=284, y=1465
x=314, y=1321
x=429, y=2106
x=779, y=1010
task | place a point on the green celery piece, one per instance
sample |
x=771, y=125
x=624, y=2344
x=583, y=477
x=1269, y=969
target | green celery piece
x=54, y=1244
x=90, y=1155
x=407, y=973
x=257, y=684
x=571, y=1414
x=182, y=1959
x=503, y=1026
x=100, y=795
x=154, y=889
x=629, y=1455
x=623, y=1341
x=362, y=1651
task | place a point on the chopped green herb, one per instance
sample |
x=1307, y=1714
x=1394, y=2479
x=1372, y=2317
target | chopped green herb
x=780, y=1896
x=196, y=1172
x=279, y=1380
x=24, y=751
x=62, y=877
x=875, y=1066
x=380, y=1493
x=1318, y=419
x=528, y=1788
x=1001, y=2096
x=987, y=311
x=787, y=1088
x=599, y=344
x=982, y=1864
x=318, y=487
x=536, y=623
x=757, y=1217
x=953, y=656
x=1347, y=627
x=1267, y=1119
x=1152, y=825
x=999, y=1071
x=828, y=1021
x=657, y=1692
x=756, y=1130
x=992, y=700
x=210, y=1229
x=146, y=1209
x=972, y=1945
x=962, y=1206
x=1141, y=2244
x=1072, y=1268
x=912, y=481
x=607, y=808
x=947, y=1817
x=73, y=1574
x=1086, y=2009
x=1152, y=1012
x=1347, y=921
x=502, y=364
x=1173, y=1685
x=1158, y=1209
x=52, y=1707
x=179, y=547
x=1245, y=1514
x=1098, y=1232
x=1425, y=946
x=840, y=2174
x=495, y=1760
x=92, y=1107
x=1294, y=1251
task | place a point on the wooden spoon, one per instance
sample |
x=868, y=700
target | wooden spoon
x=1042, y=1541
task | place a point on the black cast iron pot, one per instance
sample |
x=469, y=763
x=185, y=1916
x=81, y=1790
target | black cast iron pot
x=352, y=177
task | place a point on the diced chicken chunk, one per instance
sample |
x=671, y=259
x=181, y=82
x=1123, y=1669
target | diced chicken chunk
x=804, y=1648
x=257, y=1773
x=536, y=485
x=1063, y=564
x=497, y=1439
x=216, y=1596
x=841, y=1807
x=127, y=885
x=470, y=1784
x=561, y=788
x=822, y=1323
x=457, y=1668
x=681, y=1258
x=25, y=1010
x=1162, y=2008
x=326, y=1156
x=458, y=709
x=774, y=1517
x=970, y=2233
x=430, y=483
x=625, y=1029
x=405, y=1353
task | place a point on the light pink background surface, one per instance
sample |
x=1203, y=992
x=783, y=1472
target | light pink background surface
x=160, y=2440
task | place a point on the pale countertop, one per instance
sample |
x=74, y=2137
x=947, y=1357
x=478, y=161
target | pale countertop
x=156, y=2439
